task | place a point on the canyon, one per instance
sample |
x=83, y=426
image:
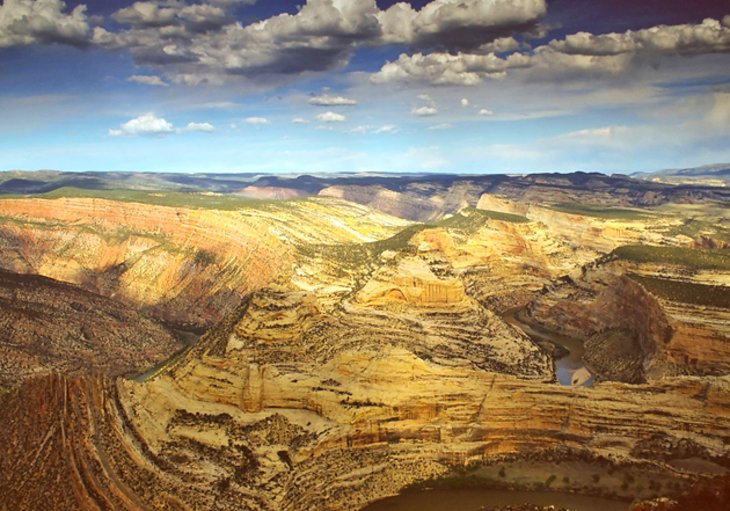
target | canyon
x=362, y=335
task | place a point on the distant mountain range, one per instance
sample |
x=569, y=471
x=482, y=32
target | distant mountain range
x=717, y=173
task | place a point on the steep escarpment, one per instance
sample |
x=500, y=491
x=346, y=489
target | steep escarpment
x=47, y=326
x=420, y=201
x=183, y=265
x=642, y=319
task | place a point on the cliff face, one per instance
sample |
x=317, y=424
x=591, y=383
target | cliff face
x=596, y=233
x=185, y=266
x=633, y=329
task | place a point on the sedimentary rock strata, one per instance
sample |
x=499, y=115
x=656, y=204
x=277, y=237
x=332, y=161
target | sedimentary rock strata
x=357, y=353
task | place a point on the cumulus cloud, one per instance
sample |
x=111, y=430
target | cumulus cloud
x=448, y=69
x=204, y=127
x=424, y=111
x=328, y=100
x=299, y=120
x=146, y=124
x=199, y=43
x=485, y=112
x=499, y=45
x=331, y=117
x=24, y=22
x=707, y=37
x=256, y=120
x=150, y=125
x=147, y=80
x=155, y=14
x=464, y=102
x=581, y=54
x=202, y=42
x=458, y=24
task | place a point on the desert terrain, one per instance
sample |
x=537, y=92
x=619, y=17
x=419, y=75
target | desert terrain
x=325, y=342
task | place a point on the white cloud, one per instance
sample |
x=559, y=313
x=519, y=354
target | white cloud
x=146, y=124
x=458, y=23
x=150, y=125
x=202, y=42
x=256, y=120
x=204, y=127
x=500, y=45
x=442, y=126
x=464, y=102
x=424, y=111
x=485, y=112
x=386, y=128
x=147, y=80
x=328, y=100
x=360, y=129
x=367, y=128
x=24, y=22
x=580, y=54
x=706, y=37
x=161, y=14
x=299, y=120
x=331, y=117
x=448, y=69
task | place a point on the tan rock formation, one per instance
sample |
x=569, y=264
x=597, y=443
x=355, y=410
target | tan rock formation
x=182, y=265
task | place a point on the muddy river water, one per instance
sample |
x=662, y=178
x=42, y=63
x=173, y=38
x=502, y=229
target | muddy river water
x=570, y=368
x=475, y=499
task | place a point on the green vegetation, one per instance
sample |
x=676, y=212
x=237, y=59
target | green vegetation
x=167, y=198
x=400, y=240
x=471, y=219
x=686, y=292
x=607, y=212
x=468, y=222
x=696, y=258
x=111, y=236
x=694, y=228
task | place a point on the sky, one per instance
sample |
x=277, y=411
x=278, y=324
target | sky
x=306, y=86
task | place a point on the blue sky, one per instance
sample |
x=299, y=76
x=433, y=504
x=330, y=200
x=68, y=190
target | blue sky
x=359, y=85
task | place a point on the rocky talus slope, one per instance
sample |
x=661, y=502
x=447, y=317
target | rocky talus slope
x=47, y=326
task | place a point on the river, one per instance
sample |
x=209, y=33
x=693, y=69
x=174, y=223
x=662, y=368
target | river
x=187, y=337
x=475, y=499
x=569, y=368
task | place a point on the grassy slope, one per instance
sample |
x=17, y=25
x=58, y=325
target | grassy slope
x=701, y=259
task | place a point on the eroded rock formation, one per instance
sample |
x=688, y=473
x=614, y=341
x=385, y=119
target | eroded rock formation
x=349, y=363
